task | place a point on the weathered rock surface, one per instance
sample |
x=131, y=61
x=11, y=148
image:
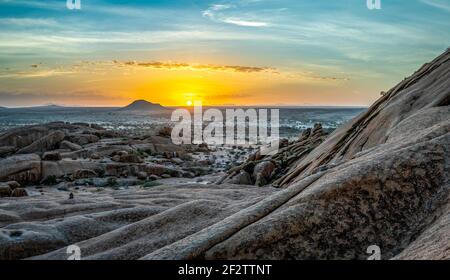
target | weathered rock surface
x=21, y=168
x=67, y=145
x=46, y=143
x=115, y=224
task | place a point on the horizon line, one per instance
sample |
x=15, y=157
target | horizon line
x=185, y=106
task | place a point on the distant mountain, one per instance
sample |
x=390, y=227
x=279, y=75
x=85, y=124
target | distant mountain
x=49, y=106
x=143, y=105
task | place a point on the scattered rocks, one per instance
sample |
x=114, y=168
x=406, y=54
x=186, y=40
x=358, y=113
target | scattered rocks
x=128, y=158
x=262, y=167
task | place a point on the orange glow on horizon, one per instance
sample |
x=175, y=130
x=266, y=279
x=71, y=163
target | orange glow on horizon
x=118, y=86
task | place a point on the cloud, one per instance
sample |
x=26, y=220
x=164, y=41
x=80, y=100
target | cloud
x=216, y=13
x=303, y=75
x=188, y=66
x=28, y=22
x=34, y=73
x=241, y=22
x=102, y=68
x=437, y=4
x=49, y=5
x=220, y=7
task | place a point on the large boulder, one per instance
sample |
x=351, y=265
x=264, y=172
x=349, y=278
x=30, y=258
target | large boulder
x=46, y=143
x=67, y=145
x=21, y=168
x=23, y=136
x=242, y=178
x=424, y=90
x=83, y=139
x=262, y=173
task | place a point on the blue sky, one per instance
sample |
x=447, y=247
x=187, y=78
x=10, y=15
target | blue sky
x=366, y=50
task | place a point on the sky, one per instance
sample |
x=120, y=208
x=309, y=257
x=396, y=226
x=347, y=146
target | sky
x=222, y=52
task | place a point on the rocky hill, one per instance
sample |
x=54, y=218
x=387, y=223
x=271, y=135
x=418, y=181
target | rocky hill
x=380, y=180
x=143, y=105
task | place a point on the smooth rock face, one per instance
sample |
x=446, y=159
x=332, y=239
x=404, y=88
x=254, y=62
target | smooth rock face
x=382, y=179
x=115, y=224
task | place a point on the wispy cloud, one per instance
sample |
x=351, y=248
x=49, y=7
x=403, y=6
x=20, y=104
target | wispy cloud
x=34, y=74
x=188, y=66
x=49, y=4
x=217, y=13
x=437, y=4
x=27, y=22
x=241, y=22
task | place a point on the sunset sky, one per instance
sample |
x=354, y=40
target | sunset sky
x=231, y=52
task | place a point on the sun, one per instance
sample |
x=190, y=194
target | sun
x=189, y=103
